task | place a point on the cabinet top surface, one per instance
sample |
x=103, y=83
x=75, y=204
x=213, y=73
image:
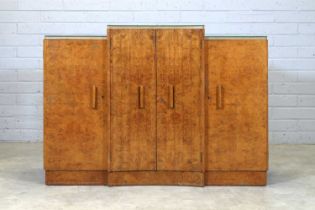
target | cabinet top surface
x=73, y=37
x=105, y=37
x=234, y=37
x=155, y=26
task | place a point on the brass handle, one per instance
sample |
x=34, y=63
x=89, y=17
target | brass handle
x=171, y=96
x=94, y=96
x=219, y=97
x=141, y=97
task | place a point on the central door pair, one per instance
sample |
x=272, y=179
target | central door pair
x=156, y=99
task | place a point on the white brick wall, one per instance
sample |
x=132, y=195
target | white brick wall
x=289, y=25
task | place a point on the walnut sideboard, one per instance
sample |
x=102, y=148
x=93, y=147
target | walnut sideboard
x=156, y=105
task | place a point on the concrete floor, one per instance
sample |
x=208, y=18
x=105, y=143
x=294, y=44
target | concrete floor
x=291, y=186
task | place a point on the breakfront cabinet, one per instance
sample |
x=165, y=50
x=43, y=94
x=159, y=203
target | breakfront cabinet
x=153, y=105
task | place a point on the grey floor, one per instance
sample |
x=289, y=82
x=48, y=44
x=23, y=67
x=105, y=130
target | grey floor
x=291, y=186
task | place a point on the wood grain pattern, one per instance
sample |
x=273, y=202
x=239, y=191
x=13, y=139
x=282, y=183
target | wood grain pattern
x=237, y=132
x=148, y=107
x=73, y=130
x=133, y=129
x=257, y=178
x=76, y=177
x=180, y=130
x=156, y=178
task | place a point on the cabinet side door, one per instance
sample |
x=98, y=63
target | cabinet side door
x=180, y=99
x=237, y=104
x=74, y=76
x=133, y=100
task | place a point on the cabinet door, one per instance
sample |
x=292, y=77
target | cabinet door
x=133, y=100
x=180, y=99
x=74, y=75
x=237, y=104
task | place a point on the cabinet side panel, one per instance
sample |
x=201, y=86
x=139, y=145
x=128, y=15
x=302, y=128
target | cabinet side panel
x=237, y=105
x=73, y=128
x=180, y=99
x=133, y=100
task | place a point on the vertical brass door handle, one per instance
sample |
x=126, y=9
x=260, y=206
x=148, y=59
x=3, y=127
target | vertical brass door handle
x=171, y=96
x=141, y=97
x=219, y=97
x=94, y=96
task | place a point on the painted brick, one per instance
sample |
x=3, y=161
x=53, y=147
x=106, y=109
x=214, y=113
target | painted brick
x=8, y=4
x=40, y=5
x=282, y=100
x=157, y=16
x=307, y=28
x=90, y=4
x=19, y=16
x=306, y=138
x=62, y=16
x=188, y=4
x=305, y=5
x=292, y=137
x=306, y=52
x=251, y=28
x=18, y=110
x=293, y=88
x=292, y=64
x=283, y=125
x=30, y=75
x=21, y=40
x=63, y=28
x=307, y=76
x=306, y=100
x=294, y=40
x=283, y=52
x=306, y=125
x=21, y=134
x=21, y=87
x=283, y=76
x=29, y=123
x=8, y=75
x=250, y=5
x=30, y=52
x=164, y=5
x=31, y=28
x=6, y=123
x=29, y=99
x=18, y=63
x=292, y=113
x=294, y=16
x=225, y=16
x=25, y=122
x=129, y=5
x=75, y=16
x=7, y=52
x=7, y=99
x=7, y=28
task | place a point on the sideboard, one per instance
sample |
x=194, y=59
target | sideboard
x=155, y=105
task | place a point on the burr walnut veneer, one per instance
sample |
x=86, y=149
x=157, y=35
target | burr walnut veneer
x=155, y=105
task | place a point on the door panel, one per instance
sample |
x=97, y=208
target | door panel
x=180, y=99
x=133, y=99
x=73, y=129
x=237, y=132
